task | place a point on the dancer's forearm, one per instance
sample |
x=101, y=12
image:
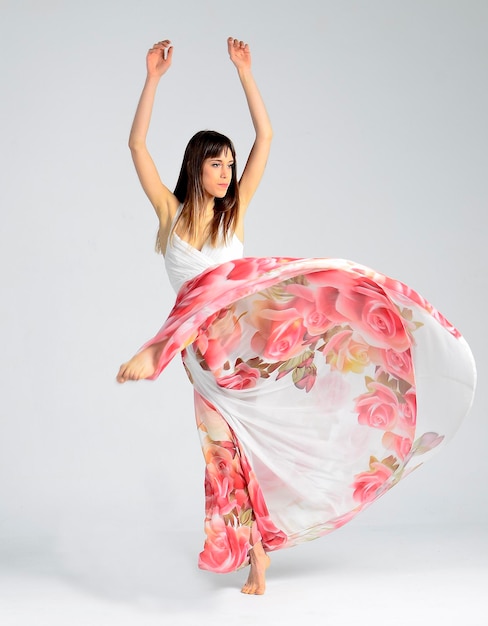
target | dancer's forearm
x=142, y=118
x=257, y=108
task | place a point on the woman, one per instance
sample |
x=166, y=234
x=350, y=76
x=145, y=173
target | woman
x=198, y=221
x=310, y=375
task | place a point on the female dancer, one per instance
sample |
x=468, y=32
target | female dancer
x=208, y=176
x=319, y=383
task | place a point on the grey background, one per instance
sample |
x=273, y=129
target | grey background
x=379, y=112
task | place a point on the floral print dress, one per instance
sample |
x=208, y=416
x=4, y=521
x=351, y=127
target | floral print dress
x=319, y=384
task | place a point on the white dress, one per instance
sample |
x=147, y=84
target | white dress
x=184, y=262
x=319, y=384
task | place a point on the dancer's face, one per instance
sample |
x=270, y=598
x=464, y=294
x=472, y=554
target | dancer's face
x=217, y=174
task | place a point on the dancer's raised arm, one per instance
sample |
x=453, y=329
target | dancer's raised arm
x=158, y=61
x=240, y=55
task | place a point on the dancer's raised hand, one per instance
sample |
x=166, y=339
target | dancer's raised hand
x=239, y=53
x=158, y=59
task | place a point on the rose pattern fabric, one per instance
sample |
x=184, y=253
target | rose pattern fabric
x=306, y=394
x=236, y=514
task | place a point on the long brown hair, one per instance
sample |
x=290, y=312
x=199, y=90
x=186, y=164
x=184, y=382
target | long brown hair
x=206, y=144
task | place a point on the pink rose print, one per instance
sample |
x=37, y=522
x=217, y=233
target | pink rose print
x=280, y=332
x=369, y=485
x=220, y=335
x=195, y=292
x=382, y=325
x=226, y=547
x=253, y=266
x=399, y=288
x=211, y=280
x=400, y=445
x=222, y=478
x=362, y=303
x=316, y=306
x=347, y=352
x=316, y=322
x=398, y=364
x=244, y=377
x=335, y=295
x=408, y=411
x=379, y=408
x=407, y=295
x=256, y=320
x=339, y=279
x=340, y=288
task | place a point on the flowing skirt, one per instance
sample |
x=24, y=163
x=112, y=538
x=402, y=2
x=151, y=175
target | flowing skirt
x=319, y=384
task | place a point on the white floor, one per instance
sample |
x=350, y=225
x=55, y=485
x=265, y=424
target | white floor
x=357, y=575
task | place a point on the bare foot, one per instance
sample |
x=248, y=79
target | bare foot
x=142, y=365
x=256, y=582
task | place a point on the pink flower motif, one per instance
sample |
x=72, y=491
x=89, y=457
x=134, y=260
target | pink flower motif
x=316, y=306
x=341, y=280
x=407, y=295
x=220, y=478
x=343, y=292
x=226, y=547
x=316, y=322
x=427, y=442
x=272, y=537
x=347, y=352
x=370, y=485
x=379, y=408
x=280, y=331
x=251, y=267
x=408, y=411
x=213, y=290
x=360, y=301
x=399, y=289
x=400, y=445
x=220, y=335
x=306, y=378
x=399, y=364
x=381, y=325
x=243, y=377
x=213, y=277
x=196, y=291
x=335, y=295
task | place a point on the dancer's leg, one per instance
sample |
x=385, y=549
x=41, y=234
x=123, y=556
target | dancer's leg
x=230, y=520
x=256, y=582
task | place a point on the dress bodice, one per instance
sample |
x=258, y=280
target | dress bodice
x=184, y=262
